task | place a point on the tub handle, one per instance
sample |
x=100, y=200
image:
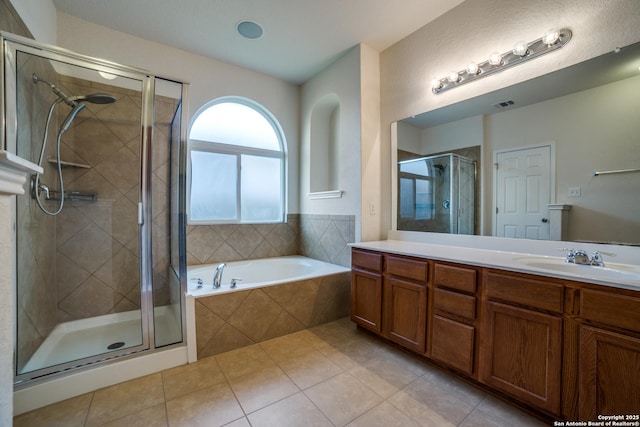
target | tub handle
x=233, y=282
x=198, y=280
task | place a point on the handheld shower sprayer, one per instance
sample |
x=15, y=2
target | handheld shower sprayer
x=72, y=115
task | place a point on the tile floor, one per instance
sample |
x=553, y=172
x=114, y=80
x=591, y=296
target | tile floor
x=330, y=375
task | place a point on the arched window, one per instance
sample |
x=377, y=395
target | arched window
x=236, y=164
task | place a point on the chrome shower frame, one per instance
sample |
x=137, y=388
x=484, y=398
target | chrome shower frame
x=10, y=45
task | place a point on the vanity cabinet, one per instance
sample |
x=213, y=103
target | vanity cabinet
x=609, y=356
x=565, y=349
x=522, y=346
x=405, y=302
x=454, y=319
x=366, y=289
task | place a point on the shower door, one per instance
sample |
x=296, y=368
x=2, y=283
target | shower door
x=89, y=279
x=437, y=194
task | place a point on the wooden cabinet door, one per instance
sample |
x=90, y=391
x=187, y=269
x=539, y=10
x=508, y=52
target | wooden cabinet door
x=453, y=343
x=521, y=354
x=405, y=313
x=366, y=299
x=609, y=373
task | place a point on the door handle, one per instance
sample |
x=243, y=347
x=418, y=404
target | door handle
x=545, y=220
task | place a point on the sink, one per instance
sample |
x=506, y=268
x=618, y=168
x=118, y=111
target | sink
x=611, y=271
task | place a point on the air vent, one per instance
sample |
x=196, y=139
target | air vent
x=503, y=104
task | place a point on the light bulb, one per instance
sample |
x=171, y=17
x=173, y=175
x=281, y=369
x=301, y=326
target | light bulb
x=436, y=84
x=472, y=68
x=551, y=36
x=453, y=77
x=495, y=59
x=521, y=48
x=107, y=76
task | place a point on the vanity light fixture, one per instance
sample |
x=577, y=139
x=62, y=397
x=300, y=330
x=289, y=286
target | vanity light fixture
x=521, y=52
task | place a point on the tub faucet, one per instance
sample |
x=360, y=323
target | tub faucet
x=217, y=277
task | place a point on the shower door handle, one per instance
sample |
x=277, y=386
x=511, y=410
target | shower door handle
x=140, y=214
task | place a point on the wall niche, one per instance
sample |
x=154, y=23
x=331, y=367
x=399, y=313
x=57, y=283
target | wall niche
x=325, y=148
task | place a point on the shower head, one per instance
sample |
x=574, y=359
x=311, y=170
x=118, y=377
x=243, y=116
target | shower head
x=94, y=98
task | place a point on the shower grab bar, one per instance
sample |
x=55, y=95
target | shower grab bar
x=596, y=173
x=74, y=196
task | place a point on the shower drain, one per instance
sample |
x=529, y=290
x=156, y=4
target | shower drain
x=115, y=345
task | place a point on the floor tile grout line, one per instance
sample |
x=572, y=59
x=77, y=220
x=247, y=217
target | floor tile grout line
x=316, y=406
x=86, y=416
x=164, y=395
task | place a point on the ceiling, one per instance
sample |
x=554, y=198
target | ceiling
x=301, y=37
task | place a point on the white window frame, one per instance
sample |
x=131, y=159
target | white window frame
x=238, y=151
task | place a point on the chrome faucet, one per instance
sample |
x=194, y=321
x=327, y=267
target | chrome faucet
x=596, y=259
x=579, y=256
x=217, y=277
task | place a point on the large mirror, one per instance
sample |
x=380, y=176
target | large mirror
x=557, y=157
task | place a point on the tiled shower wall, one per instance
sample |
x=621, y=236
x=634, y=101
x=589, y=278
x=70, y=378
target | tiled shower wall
x=97, y=245
x=323, y=237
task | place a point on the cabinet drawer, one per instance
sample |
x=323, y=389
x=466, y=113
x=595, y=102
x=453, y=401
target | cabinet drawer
x=452, y=343
x=610, y=309
x=407, y=268
x=367, y=260
x=455, y=303
x=462, y=279
x=524, y=290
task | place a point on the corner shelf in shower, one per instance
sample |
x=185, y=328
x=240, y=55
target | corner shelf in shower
x=68, y=164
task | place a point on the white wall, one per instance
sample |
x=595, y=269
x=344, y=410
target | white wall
x=208, y=78
x=474, y=29
x=342, y=79
x=452, y=136
x=40, y=18
x=371, y=148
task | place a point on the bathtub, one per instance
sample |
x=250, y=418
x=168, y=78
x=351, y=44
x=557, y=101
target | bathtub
x=258, y=273
x=275, y=297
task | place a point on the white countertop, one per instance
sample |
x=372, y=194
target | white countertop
x=506, y=260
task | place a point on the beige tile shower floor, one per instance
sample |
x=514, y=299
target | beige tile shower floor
x=330, y=375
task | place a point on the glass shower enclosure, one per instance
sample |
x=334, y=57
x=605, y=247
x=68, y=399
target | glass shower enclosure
x=437, y=194
x=99, y=238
